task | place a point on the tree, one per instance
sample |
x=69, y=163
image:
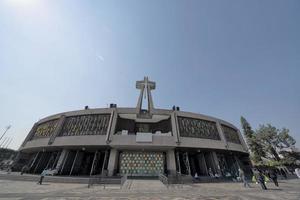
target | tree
x=275, y=141
x=256, y=149
x=268, y=136
x=285, y=140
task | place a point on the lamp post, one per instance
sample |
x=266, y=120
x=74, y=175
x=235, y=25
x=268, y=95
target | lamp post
x=8, y=143
x=4, y=140
x=6, y=129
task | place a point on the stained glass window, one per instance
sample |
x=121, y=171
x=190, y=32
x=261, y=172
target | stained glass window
x=141, y=163
x=231, y=134
x=190, y=127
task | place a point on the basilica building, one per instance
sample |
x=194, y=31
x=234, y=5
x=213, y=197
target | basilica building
x=134, y=142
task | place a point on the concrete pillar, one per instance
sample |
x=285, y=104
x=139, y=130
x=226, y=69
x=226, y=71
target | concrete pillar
x=15, y=164
x=192, y=166
x=93, y=164
x=34, y=160
x=178, y=162
x=171, y=162
x=74, y=161
x=245, y=147
x=30, y=134
x=112, y=162
x=139, y=104
x=221, y=133
x=112, y=125
x=238, y=163
x=61, y=159
x=57, y=130
x=202, y=164
x=104, y=162
x=175, y=127
x=216, y=162
x=39, y=161
x=187, y=162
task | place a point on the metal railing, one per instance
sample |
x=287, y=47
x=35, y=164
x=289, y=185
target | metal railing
x=176, y=179
x=164, y=179
x=123, y=180
x=104, y=180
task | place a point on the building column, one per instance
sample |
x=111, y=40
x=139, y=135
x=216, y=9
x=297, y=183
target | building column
x=139, y=104
x=242, y=140
x=57, y=129
x=112, y=125
x=175, y=127
x=15, y=165
x=61, y=159
x=171, y=162
x=178, y=162
x=202, y=163
x=34, y=160
x=187, y=162
x=221, y=134
x=93, y=164
x=112, y=162
x=104, y=162
x=216, y=162
x=75, y=159
x=30, y=134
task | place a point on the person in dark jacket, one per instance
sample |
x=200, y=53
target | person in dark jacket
x=260, y=179
x=272, y=175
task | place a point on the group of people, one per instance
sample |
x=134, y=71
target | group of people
x=261, y=177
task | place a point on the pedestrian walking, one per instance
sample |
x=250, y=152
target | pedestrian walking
x=42, y=177
x=297, y=172
x=260, y=179
x=273, y=176
x=243, y=178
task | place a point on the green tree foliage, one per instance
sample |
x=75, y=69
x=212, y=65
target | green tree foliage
x=268, y=136
x=285, y=140
x=254, y=145
x=269, y=142
x=274, y=141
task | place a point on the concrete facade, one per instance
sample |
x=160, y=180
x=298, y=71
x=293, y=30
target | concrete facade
x=115, y=141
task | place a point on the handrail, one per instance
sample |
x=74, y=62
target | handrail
x=164, y=179
x=123, y=180
x=103, y=180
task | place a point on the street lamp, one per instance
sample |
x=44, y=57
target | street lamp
x=6, y=129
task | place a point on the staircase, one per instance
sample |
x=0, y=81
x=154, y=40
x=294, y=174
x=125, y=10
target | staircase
x=145, y=185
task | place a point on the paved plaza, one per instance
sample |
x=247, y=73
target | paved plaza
x=147, y=189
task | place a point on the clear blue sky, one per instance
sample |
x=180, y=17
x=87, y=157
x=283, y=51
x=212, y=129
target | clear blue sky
x=219, y=58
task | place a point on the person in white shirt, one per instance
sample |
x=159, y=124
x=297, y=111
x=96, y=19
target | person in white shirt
x=297, y=172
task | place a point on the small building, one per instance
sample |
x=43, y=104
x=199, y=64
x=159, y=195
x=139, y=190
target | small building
x=133, y=141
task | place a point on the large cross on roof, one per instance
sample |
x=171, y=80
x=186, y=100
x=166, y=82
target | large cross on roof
x=145, y=86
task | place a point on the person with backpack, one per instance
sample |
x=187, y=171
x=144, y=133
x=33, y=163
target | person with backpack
x=260, y=178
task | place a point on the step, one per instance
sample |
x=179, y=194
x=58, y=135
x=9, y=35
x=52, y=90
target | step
x=150, y=185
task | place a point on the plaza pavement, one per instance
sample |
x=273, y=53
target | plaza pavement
x=147, y=189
